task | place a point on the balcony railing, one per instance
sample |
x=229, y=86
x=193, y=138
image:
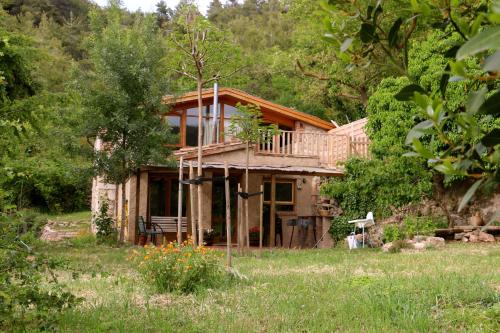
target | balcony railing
x=329, y=148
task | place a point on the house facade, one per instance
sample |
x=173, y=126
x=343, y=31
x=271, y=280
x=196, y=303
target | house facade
x=290, y=166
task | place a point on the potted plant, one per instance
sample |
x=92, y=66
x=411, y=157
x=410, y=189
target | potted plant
x=254, y=233
x=208, y=236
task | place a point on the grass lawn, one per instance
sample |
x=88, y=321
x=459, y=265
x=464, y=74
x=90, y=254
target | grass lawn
x=453, y=289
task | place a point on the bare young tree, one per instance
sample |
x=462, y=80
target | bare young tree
x=205, y=55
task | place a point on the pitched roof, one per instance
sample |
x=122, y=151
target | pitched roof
x=245, y=97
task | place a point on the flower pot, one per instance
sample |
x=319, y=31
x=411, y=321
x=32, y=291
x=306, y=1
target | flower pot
x=324, y=212
x=254, y=239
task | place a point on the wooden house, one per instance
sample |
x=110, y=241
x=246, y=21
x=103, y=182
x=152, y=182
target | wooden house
x=290, y=166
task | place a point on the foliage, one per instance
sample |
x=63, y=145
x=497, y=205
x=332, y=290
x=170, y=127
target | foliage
x=42, y=163
x=340, y=229
x=181, y=267
x=105, y=224
x=375, y=185
x=412, y=226
x=30, y=294
x=248, y=126
x=473, y=153
x=123, y=94
x=391, y=233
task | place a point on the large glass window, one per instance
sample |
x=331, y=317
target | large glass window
x=163, y=194
x=229, y=111
x=175, y=126
x=210, y=129
x=157, y=198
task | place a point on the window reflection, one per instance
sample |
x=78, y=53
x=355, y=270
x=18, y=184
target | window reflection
x=175, y=126
x=210, y=130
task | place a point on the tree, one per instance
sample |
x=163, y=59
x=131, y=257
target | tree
x=248, y=126
x=205, y=55
x=468, y=132
x=123, y=96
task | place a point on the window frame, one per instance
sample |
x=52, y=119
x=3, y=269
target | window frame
x=283, y=203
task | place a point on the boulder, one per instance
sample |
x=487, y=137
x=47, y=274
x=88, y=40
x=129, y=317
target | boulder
x=459, y=236
x=473, y=238
x=435, y=241
x=486, y=237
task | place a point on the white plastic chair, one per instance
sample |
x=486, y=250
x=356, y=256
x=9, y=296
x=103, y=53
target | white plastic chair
x=363, y=223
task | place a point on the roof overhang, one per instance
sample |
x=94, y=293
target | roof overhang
x=250, y=99
x=272, y=169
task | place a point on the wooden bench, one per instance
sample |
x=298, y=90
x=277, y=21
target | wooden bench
x=169, y=223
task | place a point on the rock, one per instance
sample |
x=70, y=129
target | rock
x=473, y=238
x=387, y=247
x=419, y=246
x=420, y=238
x=465, y=239
x=435, y=241
x=486, y=237
x=459, y=236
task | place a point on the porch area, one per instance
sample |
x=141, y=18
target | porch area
x=290, y=216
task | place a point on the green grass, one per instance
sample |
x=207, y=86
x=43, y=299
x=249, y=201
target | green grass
x=453, y=289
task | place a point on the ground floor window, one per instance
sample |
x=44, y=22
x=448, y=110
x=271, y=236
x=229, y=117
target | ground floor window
x=163, y=194
x=285, y=195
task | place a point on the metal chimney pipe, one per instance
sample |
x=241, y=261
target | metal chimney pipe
x=215, y=128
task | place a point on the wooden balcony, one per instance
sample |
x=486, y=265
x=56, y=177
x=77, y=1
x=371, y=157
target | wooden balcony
x=330, y=149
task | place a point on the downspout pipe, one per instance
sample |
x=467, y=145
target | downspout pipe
x=215, y=128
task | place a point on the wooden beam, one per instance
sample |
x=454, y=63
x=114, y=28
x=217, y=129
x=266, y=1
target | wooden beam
x=192, y=204
x=261, y=224
x=228, y=214
x=272, y=228
x=239, y=222
x=179, y=203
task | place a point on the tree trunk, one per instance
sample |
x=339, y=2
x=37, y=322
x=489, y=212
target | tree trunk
x=228, y=214
x=179, y=202
x=200, y=167
x=247, y=235
x=192, y=204
x=123, y=217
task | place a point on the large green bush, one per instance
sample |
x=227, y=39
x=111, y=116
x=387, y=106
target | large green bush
x=388, y=180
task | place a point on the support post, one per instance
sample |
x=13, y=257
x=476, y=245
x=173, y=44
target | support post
x=247, y=232
x=239, y=222
x=179, y=202
x=272, y=231
x=228, y=214
x=192, y=204
x=261, y=224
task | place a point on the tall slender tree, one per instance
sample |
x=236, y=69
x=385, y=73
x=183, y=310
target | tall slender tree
x=206, y=55
x=248, y=126
x=123, y=94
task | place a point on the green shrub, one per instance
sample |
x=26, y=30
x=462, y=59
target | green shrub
x=391, y=233
x=181, y=267
x=28, y=300
x=421, y=225
x=340, y=229
x=106, y=232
